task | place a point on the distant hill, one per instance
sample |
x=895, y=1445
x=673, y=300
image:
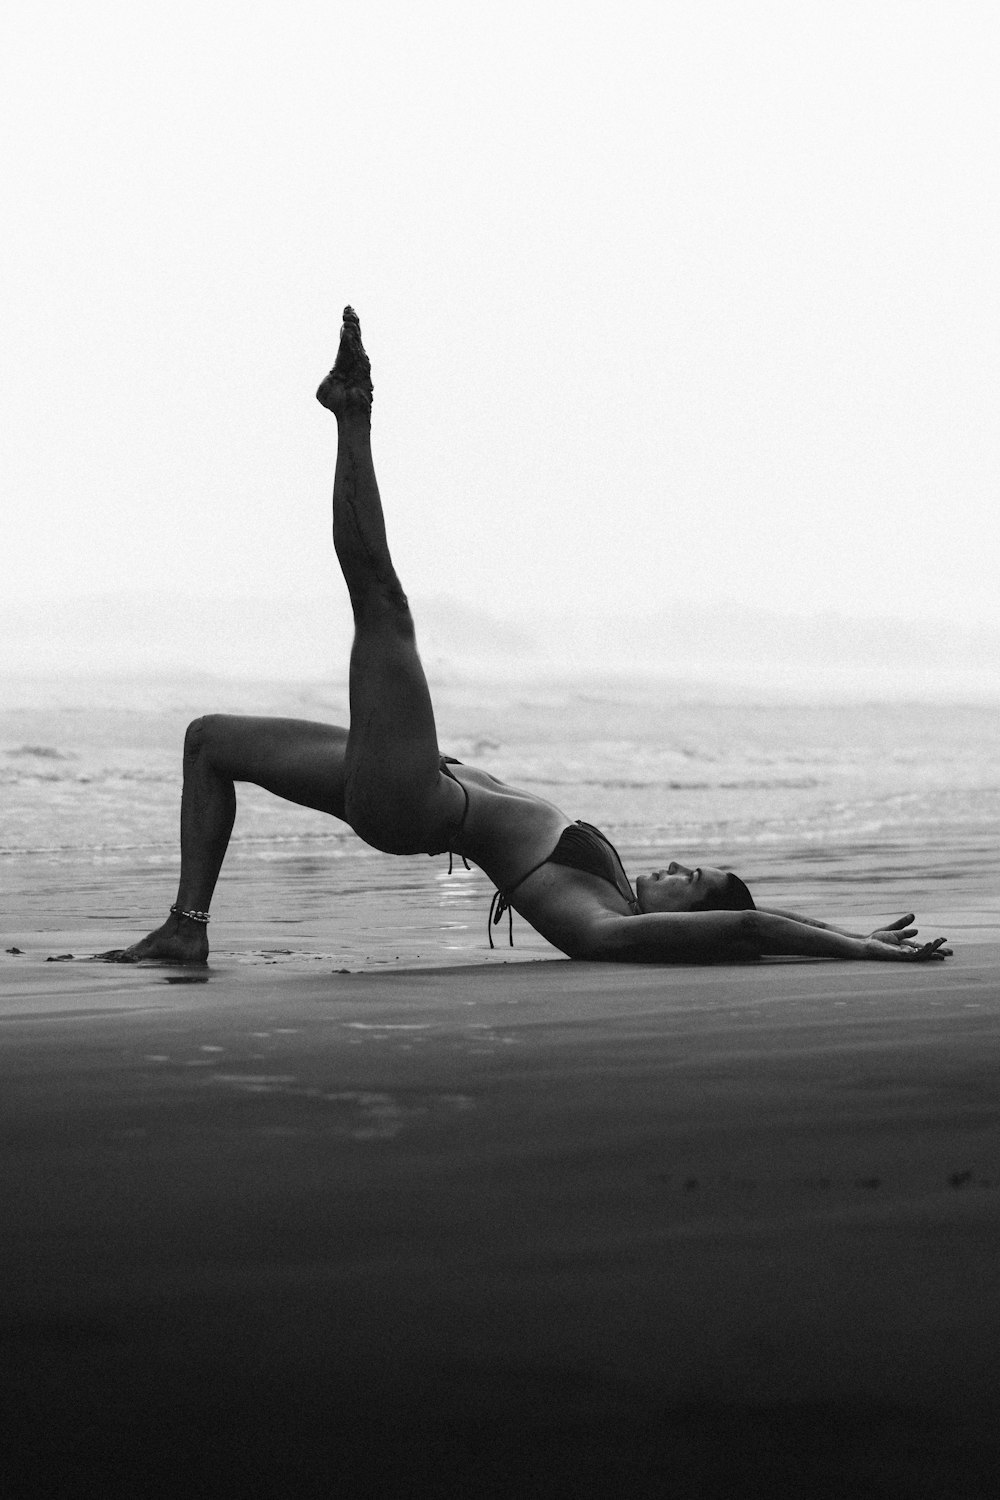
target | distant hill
x=309, y=639
x=243, y=637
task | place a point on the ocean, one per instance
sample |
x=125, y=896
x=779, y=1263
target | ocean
x=853, y=811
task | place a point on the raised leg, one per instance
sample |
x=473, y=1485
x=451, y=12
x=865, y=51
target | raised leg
x=383, y=776
x=395, y=795
x=293, y=758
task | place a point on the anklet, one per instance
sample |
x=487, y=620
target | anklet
x=192, y=916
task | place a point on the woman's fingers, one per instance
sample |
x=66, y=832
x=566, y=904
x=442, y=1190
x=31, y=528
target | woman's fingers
x=936, y=949
x=923, y=952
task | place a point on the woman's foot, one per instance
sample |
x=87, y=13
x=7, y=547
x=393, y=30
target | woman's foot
x=178, y=941
x=349, y=384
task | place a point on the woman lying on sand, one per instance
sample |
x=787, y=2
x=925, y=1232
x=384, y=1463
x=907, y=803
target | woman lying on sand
x=387, y=778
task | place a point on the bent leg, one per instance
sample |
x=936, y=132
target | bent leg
x=300, y=761
x=395, y=795
x=296, y=759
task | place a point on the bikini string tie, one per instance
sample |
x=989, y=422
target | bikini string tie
x=498, y=906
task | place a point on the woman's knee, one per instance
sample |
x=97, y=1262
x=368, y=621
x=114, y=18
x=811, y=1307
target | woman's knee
x=194, y=739
x=205, y=734
x=384, y=632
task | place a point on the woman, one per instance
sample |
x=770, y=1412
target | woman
x=386, y=777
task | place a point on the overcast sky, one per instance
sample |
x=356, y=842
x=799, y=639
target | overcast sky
x=663, y=301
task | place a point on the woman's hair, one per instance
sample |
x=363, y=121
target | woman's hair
x=734, y=896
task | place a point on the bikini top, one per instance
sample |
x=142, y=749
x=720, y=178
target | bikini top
x=581, y=846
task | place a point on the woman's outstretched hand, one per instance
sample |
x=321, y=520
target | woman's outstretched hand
x=895, y=942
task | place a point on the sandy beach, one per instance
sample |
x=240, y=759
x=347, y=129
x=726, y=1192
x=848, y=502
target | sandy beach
x=536, y=1228
x=367, y=1209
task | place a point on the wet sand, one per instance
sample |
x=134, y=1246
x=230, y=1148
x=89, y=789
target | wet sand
x=522, y=1229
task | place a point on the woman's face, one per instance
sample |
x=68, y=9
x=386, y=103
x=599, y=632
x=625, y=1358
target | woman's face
x=677, y=888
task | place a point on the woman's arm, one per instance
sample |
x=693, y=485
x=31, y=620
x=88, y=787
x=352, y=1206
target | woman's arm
x=794, y=916
x=788, y=935
x=731, y=937
x=896, y=933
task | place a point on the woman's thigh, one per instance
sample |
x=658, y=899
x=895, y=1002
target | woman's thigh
x=396, y=796
x=296, y=759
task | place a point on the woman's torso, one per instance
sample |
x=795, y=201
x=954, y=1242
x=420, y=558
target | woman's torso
x=511, y=834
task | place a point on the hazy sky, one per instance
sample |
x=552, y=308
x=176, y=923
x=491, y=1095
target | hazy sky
x=672, y=300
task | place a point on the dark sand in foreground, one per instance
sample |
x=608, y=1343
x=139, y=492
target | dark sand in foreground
x=536, y=1229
